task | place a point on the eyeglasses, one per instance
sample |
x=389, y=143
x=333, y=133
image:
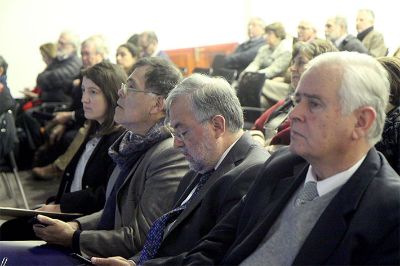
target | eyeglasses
x=181, y=135
x=125, y=89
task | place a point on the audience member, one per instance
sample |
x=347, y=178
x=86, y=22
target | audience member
x=207, y=122
x=67, y=132
x=273, y=58
x=322, y=200
x=247, y=51
x=6, y=100
x=148, y=43
x=274, y=126
x=148, y=171
x=390, y=142
x=370, y=38
x=56, y=81
x=336, y=32
x=48, y=52
x=127, y=55
x=306, y=31
x=279, y=87
x=134, y=39
x=82, y=188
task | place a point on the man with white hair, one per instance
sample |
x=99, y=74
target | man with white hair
x=336, y=32
x=330, y=198
x=372, y=39
x=56, y=81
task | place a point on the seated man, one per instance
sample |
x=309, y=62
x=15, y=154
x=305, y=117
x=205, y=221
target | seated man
x=56, y=81
x=370, y=38
x=330, y=198
x=147, y=175
x=336, y=32
x=245, y=52
x=207, y=120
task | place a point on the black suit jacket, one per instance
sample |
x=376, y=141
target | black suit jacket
x=359, y=226
x=352, y=44
x=94, y=180
x=223, y=190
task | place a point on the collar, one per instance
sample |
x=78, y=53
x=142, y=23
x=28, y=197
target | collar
x=364, y=33
x=329, y=184
x=340, y=40
x=225, y=153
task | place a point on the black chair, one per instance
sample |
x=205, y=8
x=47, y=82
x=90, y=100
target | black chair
x=228, y=74
x=8, y=164
x=249, y=90
x=201, y=70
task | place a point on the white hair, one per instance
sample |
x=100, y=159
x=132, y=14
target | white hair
x=364, y=82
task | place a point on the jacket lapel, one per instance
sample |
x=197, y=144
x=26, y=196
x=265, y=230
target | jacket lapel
x=235, y=156
x=317, y=248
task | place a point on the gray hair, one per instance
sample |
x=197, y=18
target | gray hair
x=369, y=12
x=341, y=21
x=258, y=21
x=209, y=96
x=72, y=38
x=100, y=44
x=364, y=83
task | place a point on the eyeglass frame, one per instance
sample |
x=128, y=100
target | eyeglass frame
x=125, y=89
x=181, y=135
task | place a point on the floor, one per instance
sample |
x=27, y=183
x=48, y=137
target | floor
x=36, y=191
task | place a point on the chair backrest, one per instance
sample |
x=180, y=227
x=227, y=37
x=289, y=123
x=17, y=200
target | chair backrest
x=228, y=74
x=249, y=90
x=218, y=61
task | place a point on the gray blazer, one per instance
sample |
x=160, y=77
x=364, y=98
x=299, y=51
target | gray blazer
x=146, y=194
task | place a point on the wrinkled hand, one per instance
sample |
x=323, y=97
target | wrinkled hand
x=112, y=261
x=56, y=133
x=56, y=232
x=62, y=117
x=50, y=208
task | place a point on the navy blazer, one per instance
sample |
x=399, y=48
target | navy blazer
x=225, y=187
x=359, y=226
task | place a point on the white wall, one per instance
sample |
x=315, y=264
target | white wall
x=26, y=24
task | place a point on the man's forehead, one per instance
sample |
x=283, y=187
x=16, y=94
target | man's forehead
x=138, y=75
x=320, y=77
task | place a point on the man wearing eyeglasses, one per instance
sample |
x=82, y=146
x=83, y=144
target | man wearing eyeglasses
x=206, y=119
x=149, y=169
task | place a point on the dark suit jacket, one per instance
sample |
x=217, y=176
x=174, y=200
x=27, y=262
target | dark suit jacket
x=223, y=190
x=244, y=54
x=352, y=44
x=359, y=226
x=94, y=180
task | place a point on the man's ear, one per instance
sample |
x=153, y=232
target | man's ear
x=159, y=105
x=218, y=124
x=365, y=117
x=1, y=71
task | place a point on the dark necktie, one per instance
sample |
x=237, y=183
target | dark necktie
x=156, y=231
